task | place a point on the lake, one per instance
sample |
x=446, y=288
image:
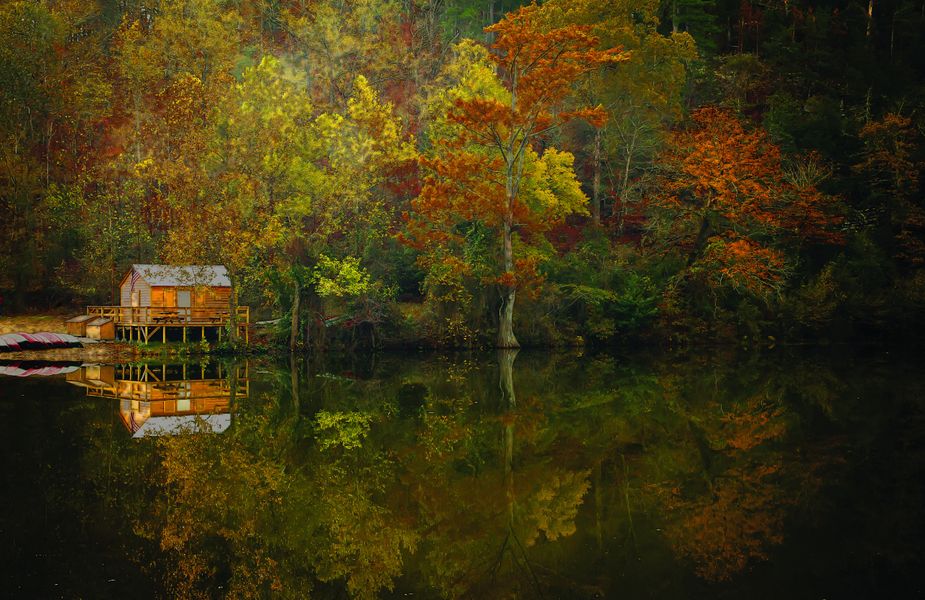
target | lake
x=786, y=474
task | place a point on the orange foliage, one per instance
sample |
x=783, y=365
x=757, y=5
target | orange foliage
x=738, y=174
x=727, y=198
x=476, y=173
x=722, y=532
x=743, y=264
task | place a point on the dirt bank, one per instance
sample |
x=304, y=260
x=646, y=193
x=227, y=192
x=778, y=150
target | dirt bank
x=91, y=352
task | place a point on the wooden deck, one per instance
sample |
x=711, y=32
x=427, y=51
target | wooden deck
x=148, y=383
x=142, y=323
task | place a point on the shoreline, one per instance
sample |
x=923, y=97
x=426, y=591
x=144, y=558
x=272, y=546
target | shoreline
x=99, y=352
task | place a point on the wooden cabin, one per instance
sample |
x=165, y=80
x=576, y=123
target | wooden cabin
x=158, y=298
x=201, y=289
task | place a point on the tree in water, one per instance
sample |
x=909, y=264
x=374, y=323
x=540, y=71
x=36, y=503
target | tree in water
x=484, y=167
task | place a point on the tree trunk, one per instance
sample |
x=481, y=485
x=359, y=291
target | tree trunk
x=702, y=236
x=508, y=403
x=294, y=382
x=596, y=185
x=294, y=324
x=624, y=185
x=506, y=337
x=233, y=313
x=232, y=386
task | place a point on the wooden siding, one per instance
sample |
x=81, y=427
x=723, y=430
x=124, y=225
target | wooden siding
x=200, y=297
x=140, y=285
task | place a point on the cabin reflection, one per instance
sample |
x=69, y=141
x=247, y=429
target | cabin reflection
x=167, y=399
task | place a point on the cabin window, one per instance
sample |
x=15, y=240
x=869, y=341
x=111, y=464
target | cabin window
x=157, y=297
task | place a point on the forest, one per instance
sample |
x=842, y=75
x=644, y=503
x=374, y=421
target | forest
x=470, y=173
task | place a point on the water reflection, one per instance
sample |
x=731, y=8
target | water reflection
x=514, y=475
x=167, y=399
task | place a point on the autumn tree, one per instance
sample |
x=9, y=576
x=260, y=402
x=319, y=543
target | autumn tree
x=642, y=97
x=228, y=218
x=728, y=203
x=335, y=42
x=479, y=169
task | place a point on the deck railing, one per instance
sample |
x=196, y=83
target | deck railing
x=173, y=316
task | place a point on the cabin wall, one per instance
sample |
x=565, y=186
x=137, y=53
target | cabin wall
x=164, y=295
x=215, y=298
x=140, y=285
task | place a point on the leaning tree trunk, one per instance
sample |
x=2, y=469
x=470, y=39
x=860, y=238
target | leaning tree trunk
x=294, y=323
x=706, y=229
x=506, y=337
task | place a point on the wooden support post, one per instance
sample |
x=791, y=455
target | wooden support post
x=164, y=334
x=184, y=334
x=203, y=333
x=219, y=333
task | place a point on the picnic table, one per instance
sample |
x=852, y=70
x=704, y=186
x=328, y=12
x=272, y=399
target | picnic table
x=166, y=316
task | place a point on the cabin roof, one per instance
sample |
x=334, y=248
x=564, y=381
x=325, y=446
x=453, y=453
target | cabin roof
x=173, y=425
x=188, y=275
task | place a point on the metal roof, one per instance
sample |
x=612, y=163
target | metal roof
x=173, y=425
x=188, y=275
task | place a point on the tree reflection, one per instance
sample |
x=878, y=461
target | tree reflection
x=461, y=478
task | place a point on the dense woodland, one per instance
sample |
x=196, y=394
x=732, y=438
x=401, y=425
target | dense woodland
x=476, y=172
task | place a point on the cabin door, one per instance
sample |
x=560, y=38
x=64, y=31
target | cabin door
x=136, y=302
x=183, y=304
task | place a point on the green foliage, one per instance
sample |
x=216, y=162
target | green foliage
x=340, y=278
x=346, y=430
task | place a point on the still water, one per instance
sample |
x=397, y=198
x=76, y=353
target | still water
x=484, y=475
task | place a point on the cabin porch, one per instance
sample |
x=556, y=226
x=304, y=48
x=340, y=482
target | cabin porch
x=151, y=323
